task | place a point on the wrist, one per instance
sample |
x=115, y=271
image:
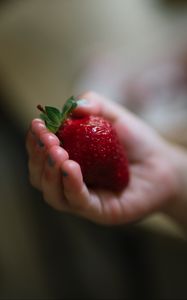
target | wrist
x=179, y=161
x=177, y=208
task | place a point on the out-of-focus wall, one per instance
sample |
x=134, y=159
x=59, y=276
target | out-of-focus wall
x=45, y=45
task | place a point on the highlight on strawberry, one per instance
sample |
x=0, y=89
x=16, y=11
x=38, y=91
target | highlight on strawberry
x=92, y=142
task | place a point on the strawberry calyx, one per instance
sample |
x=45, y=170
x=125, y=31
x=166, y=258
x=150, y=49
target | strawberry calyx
x=53, y=117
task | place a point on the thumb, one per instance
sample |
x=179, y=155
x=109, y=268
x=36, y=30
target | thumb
x=87, y=104
x=95, y=104
x=135, y=134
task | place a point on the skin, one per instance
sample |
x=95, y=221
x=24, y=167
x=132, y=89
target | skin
x=157, y=170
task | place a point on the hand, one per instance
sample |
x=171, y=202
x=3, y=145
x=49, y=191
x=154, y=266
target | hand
x=153, y=183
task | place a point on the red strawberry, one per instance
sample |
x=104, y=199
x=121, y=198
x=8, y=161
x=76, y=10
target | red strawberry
x=92, y=142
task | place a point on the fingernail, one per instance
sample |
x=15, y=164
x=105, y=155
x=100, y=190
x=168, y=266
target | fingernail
x=83, y=102
x=64, y=173
x=40, y=144
x=50, y=161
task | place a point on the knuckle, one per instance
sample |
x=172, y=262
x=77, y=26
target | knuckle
x=89, y=94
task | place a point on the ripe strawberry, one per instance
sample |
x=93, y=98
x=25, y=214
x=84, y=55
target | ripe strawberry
x=92, y=142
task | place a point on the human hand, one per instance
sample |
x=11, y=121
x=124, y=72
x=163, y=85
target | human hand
x=153, y=182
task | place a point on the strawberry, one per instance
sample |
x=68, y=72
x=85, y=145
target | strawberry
x=92, y=142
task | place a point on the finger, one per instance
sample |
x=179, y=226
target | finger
x=138, y=138
x=86, y=106
x=51, y=181
x=34, y=149
x=121, y=118
x=116, y=114
x=109, y=109
x=30, y=142
x=93, y=103
x=99, y=206
x=31, y=138
x=37, y=152
x=75, y=190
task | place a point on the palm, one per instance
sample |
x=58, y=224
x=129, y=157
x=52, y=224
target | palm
x=146, y=193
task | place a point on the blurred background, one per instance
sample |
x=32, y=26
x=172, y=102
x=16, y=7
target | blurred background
x=133, y=51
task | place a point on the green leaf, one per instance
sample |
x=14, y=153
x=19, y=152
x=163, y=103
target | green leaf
x=45, y=118
x=68, y=107
x=53, y=112
x=53, y=118
x=49, y=124
x=52, y=128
